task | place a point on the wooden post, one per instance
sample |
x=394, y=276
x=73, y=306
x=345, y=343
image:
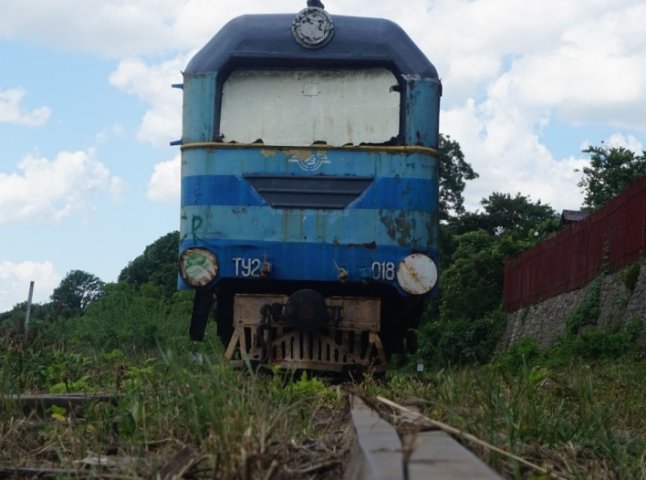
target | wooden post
x=28, y=312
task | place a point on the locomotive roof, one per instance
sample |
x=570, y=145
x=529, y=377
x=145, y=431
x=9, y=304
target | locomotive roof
x=268, y=39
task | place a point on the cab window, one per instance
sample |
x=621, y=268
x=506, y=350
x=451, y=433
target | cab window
x=303, y=107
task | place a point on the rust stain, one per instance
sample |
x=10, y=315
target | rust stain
x=413, y=272
x=297, y=153
x=268, y=152
x=285, y=347
x=398, y=228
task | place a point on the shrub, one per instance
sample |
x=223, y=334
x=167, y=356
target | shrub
x=631, y=275
x=588, y=310
x=131, y=319
x=462, y=341
x=525, y=352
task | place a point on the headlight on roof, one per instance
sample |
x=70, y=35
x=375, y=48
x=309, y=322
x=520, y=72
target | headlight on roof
x=417, y=274
x=198, y=266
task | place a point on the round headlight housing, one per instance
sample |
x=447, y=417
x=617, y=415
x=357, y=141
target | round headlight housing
x=198, y=266
x=417, y=274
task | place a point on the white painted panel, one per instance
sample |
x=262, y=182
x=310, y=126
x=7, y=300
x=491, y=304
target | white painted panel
x=301, y=107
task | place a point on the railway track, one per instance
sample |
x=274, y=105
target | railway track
x=380, y=454
x=420, y=448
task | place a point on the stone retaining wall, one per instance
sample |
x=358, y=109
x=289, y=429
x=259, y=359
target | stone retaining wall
x=546, y=320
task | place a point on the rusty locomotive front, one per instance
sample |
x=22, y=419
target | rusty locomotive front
x=309, y=194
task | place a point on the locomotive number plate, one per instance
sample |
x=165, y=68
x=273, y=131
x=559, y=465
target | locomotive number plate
x=247, y=267
x=383, y=270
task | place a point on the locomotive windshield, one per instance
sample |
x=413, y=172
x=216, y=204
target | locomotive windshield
x=305, y=106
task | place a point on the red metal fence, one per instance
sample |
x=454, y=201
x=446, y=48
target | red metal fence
x=614, y=236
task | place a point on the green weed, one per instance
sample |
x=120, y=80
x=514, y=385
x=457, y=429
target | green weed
x=461, y=341
x=588, y=310
x=631, y=275
x=581, y=421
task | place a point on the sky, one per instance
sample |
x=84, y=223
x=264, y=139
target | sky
x=88, y=178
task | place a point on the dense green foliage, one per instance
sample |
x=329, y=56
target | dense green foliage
x=631, y=274
x=131, y=321
x=76, y=292
x=502, y=213
x=155, y=268
x=588, y=310
x=14, y=318
x=157, y=265
x=464, y=323
x=471, y=285
x=611, y=170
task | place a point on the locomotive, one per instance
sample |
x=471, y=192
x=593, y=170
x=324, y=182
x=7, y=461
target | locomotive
x=309, y=189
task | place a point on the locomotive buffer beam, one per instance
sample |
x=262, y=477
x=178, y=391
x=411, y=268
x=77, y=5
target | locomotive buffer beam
x=346, y=336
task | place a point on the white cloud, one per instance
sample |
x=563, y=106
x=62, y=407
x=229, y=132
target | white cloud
x=165, y=182
x=627, y=141
x=502, y=145
x=114, y=28
x=152, y=84
x=509, y=70
x=121, y=28
x=15, y=278
x=11, y=110
x=49, y=190
x=104, y=135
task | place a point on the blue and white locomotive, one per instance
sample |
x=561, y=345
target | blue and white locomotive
x=309, y=204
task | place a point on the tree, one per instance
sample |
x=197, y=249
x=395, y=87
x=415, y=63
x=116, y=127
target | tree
x=506, y=214
x=14, y=318
x=157, y=265
x=467, y=319
x=75, y=292
x=516, y=214
x=454, y=170
x=611, y=170
x=472, y=285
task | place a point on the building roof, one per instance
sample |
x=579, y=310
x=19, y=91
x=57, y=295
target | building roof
x=573, y=216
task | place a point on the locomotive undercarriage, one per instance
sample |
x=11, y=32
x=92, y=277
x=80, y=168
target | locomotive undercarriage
x=347, y=337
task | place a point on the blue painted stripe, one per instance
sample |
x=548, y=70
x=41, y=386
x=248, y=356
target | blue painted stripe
x=383, y=193
x=306, y=262
x=247, y=224
x=395, y=193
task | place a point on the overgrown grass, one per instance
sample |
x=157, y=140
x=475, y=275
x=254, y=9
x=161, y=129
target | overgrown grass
x=238, y=420
x=136, y=347
x=582, y=421
x=577, y=408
